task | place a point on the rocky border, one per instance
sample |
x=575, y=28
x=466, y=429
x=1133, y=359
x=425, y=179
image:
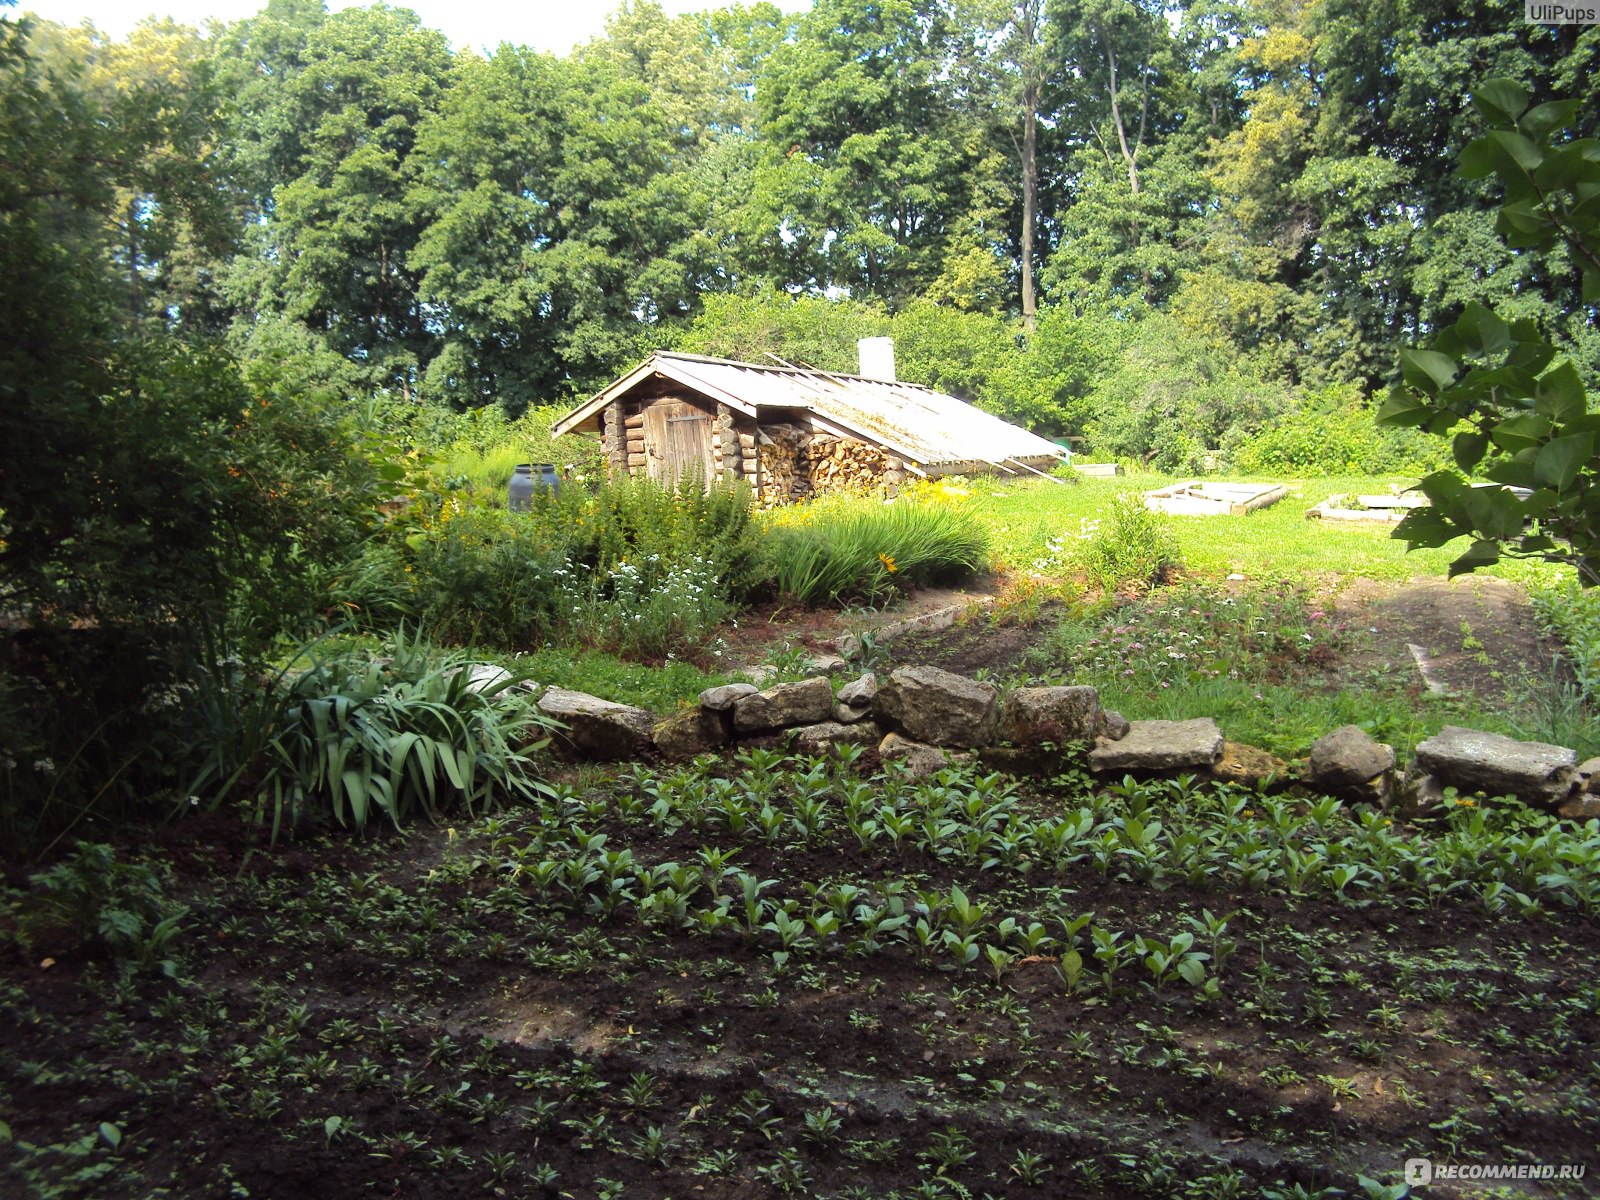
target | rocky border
x=928, y=718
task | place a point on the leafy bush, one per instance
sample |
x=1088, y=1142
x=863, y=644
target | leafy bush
x=639, y=521
x=351, y=736
x=1172, y=396
x=1332, y=433
x=94, y=895
x=1133, y=549
x=487, y=576
x=864, y=550
x=632, y=566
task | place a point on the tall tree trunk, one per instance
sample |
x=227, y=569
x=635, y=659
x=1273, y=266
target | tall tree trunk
x=1130, y=157
x=1030, y=187
x=1028, y=20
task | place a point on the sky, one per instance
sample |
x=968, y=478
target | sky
x=553, y=25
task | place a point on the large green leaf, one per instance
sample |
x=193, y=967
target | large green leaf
x=1501, y=100
x=1520, y=150
x=1561, y=460
x=1480, y=554
x=1468, y=449
x=1560, y=394
x=1521, y=431
x=1427, y=369
x=1493, y=511
x=1405, y=409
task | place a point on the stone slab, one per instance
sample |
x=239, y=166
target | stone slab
x=1160, y=746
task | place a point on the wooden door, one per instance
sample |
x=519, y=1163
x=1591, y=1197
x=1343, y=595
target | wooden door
x=677, y=442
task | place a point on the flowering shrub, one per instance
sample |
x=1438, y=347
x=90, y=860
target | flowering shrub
x=1134, y=552
x=645, y=608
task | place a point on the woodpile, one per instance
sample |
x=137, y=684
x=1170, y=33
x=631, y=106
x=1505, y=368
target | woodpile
x=782, y=462
x=844, y=464
x=782, y=456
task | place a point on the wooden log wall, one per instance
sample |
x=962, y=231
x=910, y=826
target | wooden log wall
x=725, y=449
x=633, y=426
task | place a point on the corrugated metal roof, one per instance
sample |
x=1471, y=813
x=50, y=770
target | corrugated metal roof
x=925, y=427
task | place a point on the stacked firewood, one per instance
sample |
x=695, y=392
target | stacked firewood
x=783, y=471
x=844, y=464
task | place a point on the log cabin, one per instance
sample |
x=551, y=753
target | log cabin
x=793, y=432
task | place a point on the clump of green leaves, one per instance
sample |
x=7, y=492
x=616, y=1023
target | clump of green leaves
x=1518, y=421
x=351, y=736
x=865, y=550
x=1134, y=549
x=93, y=895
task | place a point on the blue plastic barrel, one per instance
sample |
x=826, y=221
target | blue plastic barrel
x=525, y=477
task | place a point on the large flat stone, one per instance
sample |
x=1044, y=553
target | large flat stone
x=918, y=759
x=1160, y=746
x=820, y=738
x=1474, y=761
x=859, y=692
x=938, y=708
x=722, y=699
x=596, y=728
x=783, y=705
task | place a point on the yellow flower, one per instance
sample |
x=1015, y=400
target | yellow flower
x=888, y=563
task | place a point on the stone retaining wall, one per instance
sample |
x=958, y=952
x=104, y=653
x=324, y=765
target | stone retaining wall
x=928, y=718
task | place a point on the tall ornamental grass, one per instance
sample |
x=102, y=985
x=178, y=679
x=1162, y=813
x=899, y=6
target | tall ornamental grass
x=865, y=550
x=632, y=566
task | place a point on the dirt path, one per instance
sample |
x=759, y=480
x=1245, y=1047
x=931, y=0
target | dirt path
x=1471, y=637
x=1476, y=636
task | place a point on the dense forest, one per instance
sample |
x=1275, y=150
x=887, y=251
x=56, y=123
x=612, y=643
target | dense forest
x=1052, y=205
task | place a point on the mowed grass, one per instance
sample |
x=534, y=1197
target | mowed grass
x=1024, y=518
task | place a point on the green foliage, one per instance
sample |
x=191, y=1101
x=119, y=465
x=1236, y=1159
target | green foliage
x=1133, y=549
x=1572, y=613
x=1331, y=433
x=865, y=550
x=631, y=566
x=1172, y=396
x=93, y=895
x=356, y=738
x=485, y=576
x=1519, y=421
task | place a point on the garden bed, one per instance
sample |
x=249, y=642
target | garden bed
x=631, y=989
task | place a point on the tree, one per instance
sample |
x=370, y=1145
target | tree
x=1528, y=425
x=338, y=122
x=873, y=171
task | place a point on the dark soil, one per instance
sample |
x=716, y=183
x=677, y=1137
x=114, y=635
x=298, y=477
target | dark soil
x=409, y=1016
x=1478, y=636
x=471, y=1039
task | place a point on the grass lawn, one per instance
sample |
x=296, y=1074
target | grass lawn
x=1025, y=515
